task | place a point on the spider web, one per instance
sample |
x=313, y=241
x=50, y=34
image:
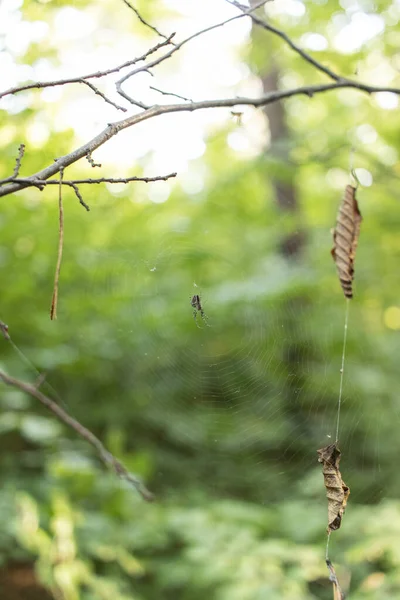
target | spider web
x=242, y=404
x=250, y=396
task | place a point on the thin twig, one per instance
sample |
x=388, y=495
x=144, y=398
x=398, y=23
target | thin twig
x=104, y=180
x=141, y=19
x=307, y=57
x=99, y=93
x=107, y=458
x=83, y=78
x=79, y=195
x=18, y=160
x=170, y=94
x=160, y=59
x=54, y=301
x=41, y=183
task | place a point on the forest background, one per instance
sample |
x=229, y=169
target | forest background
x=221, y=417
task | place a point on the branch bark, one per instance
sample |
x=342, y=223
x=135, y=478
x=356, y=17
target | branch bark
x=114, y=128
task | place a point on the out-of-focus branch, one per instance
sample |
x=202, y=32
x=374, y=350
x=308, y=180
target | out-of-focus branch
x=142, y=20
x=105, y=455
x=307, y=57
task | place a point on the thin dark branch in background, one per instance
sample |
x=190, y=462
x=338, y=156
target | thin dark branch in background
x=106, y=456
x=21, y=151
x=159, y=60
x=170, y=94
x=142, y=20
x=54, y=300
x=83, y=78
x=307, y=57
x=90, y=160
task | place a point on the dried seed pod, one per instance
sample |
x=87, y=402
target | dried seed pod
x=337, y=491
x=345, y=239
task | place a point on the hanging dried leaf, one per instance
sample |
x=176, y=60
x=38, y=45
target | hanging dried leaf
x=337, y=491
x=337, y=590
x=345, y=239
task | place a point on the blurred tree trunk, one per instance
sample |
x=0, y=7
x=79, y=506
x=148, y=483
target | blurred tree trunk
x=285, y=191
x=18, y=581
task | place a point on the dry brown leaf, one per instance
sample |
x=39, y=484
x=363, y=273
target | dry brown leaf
x=337, y=590
x=345, y=239
x=337, y=491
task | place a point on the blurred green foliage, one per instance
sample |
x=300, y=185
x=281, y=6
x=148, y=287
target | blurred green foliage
x=221, y=421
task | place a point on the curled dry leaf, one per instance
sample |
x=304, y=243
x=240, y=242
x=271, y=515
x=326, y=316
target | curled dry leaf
x=337, y=491
x=345, y=239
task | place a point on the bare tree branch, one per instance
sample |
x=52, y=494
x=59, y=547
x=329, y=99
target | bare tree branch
x=142, y=20
x=114, y=128
x=307, y=57
x=107, y=458
x=41, y=183
x=84, y=78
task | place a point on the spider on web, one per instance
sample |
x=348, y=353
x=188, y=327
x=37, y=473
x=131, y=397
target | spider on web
x=195, y=302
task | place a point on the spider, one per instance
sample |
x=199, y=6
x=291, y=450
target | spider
x=198, y=308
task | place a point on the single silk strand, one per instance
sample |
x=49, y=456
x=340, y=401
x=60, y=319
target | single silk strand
x=342, y=370
x=327, y=547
